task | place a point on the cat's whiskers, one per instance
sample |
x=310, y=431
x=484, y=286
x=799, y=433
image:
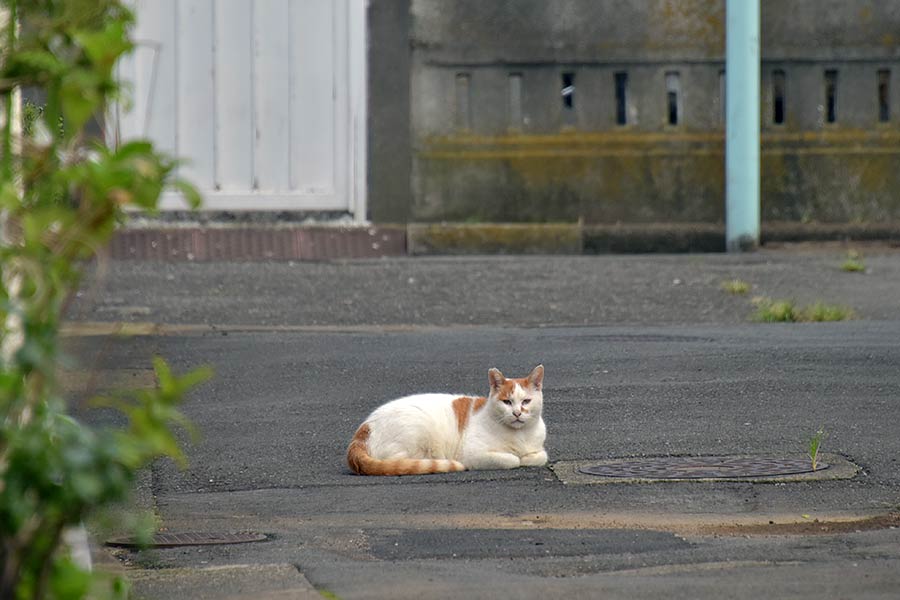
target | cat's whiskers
x=500, y=418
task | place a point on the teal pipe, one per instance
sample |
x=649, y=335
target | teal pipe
x=741, y=125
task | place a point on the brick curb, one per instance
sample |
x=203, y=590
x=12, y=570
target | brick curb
x=299, y=242
x=253, y=243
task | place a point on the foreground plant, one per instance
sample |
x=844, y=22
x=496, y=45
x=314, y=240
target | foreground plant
x=61, y=196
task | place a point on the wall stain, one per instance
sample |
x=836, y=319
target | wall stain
x=609, y=177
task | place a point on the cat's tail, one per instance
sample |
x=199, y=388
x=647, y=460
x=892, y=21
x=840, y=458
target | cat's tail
x=362, y=463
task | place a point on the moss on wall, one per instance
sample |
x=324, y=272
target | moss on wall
x=493, y=239
x=837, y=175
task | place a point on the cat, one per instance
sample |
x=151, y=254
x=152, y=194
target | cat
x=439, y=433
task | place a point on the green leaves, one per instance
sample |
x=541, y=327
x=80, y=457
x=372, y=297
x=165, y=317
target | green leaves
x=152, y=414
x=104, y=47
x=132, y=175
x=79, y=97
x=9, y=197
x=61, y=199
x=190, y=193
x=69, y=582
x=35, y=65
x=82, y=92
x=58, y=469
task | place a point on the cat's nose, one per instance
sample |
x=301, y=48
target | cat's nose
x=517, y=413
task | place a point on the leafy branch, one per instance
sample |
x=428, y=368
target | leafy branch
x=61, y=198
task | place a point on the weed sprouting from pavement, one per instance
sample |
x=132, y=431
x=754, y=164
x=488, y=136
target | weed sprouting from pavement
x=786, y=311
x=735, y=286
x=853, y=263
x=815, y=444
x=774, y=311
x=821, y=312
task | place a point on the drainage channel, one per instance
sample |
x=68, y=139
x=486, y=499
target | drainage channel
x=750, y=468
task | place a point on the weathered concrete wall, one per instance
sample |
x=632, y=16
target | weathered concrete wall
x=388, y=148
x=494, y=139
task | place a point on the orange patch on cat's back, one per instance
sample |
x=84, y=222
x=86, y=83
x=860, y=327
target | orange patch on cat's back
x=461, y=407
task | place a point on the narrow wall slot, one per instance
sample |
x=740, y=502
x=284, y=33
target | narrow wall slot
x=463, y=106
x=515, y=101
x=884, y=95
x=778, y=97
x=621, y=98
x=722, y=106
x=831, y=95
x=673, y=97
x=568, y=90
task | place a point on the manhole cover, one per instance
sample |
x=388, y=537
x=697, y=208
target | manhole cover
x=700, y=467
x=169, y=540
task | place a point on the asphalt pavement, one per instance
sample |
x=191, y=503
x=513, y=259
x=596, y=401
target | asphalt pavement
x=645, y=356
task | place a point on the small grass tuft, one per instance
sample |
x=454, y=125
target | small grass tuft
x=786, y=311
x=735, y=286
x=853, y=266
x=819, y=312
x=853, y=263
x=774, y=311
x=815, y=444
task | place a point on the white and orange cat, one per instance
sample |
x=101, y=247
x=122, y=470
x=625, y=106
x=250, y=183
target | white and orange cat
x=438, y=433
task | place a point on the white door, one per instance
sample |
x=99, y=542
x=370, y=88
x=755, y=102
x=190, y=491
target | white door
x=263, y=99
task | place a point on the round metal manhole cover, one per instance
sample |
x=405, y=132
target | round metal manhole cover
x=171, y=540
x=701, y=467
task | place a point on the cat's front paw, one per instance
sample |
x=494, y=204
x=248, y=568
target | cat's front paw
x=494, y=460
x=535, y=459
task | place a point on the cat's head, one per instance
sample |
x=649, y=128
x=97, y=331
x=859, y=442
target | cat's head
x=516, y=402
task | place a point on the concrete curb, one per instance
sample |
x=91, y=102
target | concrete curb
x=254, y=242
x=225, y=582
x=653, y=237
x=494, y=238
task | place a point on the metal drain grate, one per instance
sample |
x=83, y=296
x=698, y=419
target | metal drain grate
x=700, y=467
x=171, y=540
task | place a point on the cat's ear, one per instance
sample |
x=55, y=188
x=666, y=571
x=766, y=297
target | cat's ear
x=496, y=378
x=536, y=378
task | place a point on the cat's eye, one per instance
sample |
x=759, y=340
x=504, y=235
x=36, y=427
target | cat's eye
x=526, y=401
x=507, y=402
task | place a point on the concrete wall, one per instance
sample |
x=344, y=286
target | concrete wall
x=493, y=138
x=388, y=147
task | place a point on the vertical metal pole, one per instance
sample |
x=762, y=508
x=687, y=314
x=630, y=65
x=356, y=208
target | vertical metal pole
x=741, y=125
